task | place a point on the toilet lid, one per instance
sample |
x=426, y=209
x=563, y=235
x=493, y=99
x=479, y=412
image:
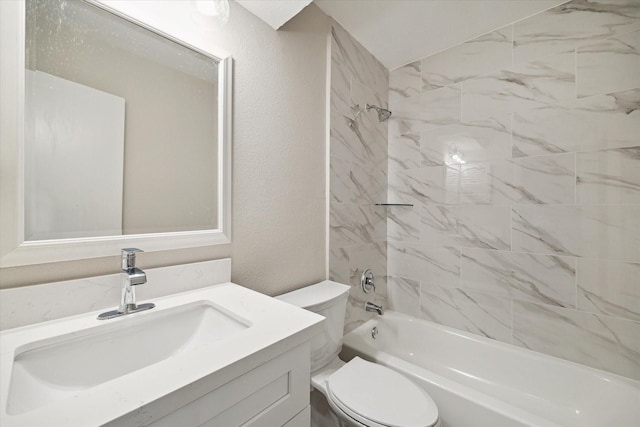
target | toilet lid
x=375, y=395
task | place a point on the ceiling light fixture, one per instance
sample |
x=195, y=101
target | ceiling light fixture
x=217, y=8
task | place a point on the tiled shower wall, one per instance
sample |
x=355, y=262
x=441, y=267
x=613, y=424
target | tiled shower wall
x=358, y=164
x=520, y=151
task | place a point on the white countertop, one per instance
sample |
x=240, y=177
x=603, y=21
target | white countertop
x=275, y=328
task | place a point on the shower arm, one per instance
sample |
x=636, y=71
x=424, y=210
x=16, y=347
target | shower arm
x=383, y=113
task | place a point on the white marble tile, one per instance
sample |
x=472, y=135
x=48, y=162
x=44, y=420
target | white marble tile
x=403, y=223
x=369, y=185
x=355, y=141
x=368, y=129
x=405, y=82
x=49, y=301
x=609, y=65
x=372, y=256
x=483, y=55
x=499, y=119
x=418, y=262
x=373, y=135
x=355, y=183
x=544, y=179
x=338, y=264
x=609, y=287
x=485, y=183
x=356, y=314
x=487, y=227
x=340, y=101
x=475, y=312
x=565, y=27
x=340, y=181
x=452, y=185
x=538, y=278
x=404, y=152
x=548, y=81
x=404, y=295
x=600, y=122
x=602, y=342
x=351, y=225
x=472, y=142
x=609, y=176
x=421, y=186
x=598, y=231
x=359, y=148
x=425, y=111
x=435, y=224
x=538, y=180
x=362, y=66
x=344, y=140
x=362, y=95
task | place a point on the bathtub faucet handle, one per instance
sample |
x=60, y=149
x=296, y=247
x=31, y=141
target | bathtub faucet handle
x=366, y=281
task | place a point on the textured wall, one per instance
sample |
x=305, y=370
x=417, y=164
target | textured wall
x=358, y=177
x=279, y=226
x=521, y=152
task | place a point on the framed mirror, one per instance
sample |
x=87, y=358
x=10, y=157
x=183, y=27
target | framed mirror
x=118, y=134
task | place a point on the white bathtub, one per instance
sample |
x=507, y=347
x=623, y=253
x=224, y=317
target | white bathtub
x=478, y=382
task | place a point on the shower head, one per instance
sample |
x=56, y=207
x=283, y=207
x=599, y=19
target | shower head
x=383, y=114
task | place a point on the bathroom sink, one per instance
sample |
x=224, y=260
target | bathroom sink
x=136, y=369
x=51, y=369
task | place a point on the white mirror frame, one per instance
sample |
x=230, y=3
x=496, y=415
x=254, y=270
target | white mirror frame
x=14, y=250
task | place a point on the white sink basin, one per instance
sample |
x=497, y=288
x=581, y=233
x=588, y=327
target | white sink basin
x=51, y=369
x=138, y=368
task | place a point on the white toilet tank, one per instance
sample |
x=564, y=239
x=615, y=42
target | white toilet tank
x=329, y=299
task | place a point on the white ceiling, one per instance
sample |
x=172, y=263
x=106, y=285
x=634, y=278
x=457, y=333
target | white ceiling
x=398, y=32
x=274, y=12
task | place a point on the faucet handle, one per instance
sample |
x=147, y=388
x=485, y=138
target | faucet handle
x=366, y=281
x=129, y=257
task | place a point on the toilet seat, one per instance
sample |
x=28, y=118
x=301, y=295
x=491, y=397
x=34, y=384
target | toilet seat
x=377, y=396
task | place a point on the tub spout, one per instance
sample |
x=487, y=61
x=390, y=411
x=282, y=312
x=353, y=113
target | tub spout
x=369, y=306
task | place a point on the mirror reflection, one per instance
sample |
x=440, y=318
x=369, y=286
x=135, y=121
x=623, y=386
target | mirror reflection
x=121, y=132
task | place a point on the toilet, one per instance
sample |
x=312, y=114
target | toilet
x=361, y=393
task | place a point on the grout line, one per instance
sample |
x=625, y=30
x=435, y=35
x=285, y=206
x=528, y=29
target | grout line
x=575, y=267
x=513, y=42
x=575, y=178
x=575, y=73
x=512, y=327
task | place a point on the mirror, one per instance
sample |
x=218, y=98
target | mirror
x=124, y=137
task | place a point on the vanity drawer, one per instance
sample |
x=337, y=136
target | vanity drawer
x=269, y=395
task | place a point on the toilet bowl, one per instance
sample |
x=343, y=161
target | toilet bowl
x=360, y=393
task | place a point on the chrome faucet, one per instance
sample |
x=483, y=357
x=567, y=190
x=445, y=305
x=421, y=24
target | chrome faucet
x=369, y=306
x=131, y=276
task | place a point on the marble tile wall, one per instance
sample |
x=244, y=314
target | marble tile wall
x=358, y=172
x=520, y=151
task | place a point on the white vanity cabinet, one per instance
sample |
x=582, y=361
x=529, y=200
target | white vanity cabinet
x=273, y=394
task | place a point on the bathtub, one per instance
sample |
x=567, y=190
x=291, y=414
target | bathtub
x=478, y=382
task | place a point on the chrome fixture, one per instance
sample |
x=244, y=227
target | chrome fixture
x=383, y=113
x=369, y=306
x=131, y=276
x=374, y=332
x=366, y=281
